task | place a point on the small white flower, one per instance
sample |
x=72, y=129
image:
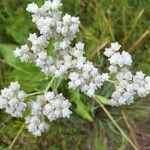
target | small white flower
x=49, y=96
x=115, y=46
x=127, y=58
x=122, y=101
x=113, y=69
x=21, y=95
x=12, y=99
x=22, y=53
x=108, y=52
x=56, y=4
x=66, y=113
x=74, y=76
x=90, y=92
x=105, y=77
x=14, y=86
x=142, y=92
x=18, y=52
x=32, y=8
x=80, y=46
x=3, y=102
x=116, y=95
x=147, y=79
x=43, y=126
x=42, y=55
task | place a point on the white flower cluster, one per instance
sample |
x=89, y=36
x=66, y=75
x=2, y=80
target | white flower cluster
x=23, y=53
x=69, y=60
x=82, y=73
x=50, y=105
x=128, y=86
x=36, y=126
x=116, y=58
x=80, y=80
x=57, y=106
x=12, y=99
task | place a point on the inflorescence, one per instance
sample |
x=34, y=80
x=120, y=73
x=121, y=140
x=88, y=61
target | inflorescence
x=71, y=63
x=128, y=86
x=50, y=106
x=70, y=60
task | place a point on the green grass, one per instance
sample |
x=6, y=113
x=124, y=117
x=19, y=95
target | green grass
x=103, y=21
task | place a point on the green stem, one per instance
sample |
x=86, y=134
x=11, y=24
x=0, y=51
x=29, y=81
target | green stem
x=103, y=100
x=15, y=139
x=113, y=82
x=115, y=123
x=46, y=89
x=49, y=85
x=36, y=93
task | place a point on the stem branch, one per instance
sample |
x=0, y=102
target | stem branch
x=36, y=93
x=49, y=85
x=46, y=89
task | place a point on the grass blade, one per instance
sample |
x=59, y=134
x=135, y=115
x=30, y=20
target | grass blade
x=115, y=123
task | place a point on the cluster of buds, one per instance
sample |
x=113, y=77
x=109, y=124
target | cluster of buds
x=71, y=63
x=49, y=105
x=128, y=86
x=70, y=60
x=12, y=100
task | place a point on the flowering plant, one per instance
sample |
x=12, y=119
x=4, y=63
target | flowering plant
x=67, y=62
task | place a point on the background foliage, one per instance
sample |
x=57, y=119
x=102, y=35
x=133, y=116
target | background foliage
x=89, y=128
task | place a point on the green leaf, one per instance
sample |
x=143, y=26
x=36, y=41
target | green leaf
x=27, y=74
x=56, y=84
x=104, y=100
x=145, y=67
x=18, y=29
x=81, y=108
x=99, y=144
x=7, y=52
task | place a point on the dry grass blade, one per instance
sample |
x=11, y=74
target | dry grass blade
x=99, y=48
x=88, y=34
x=15, y=139
x=115, y=123
x=124, y=20
x=133, y=26
x=140, y=40
x=130, y=129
